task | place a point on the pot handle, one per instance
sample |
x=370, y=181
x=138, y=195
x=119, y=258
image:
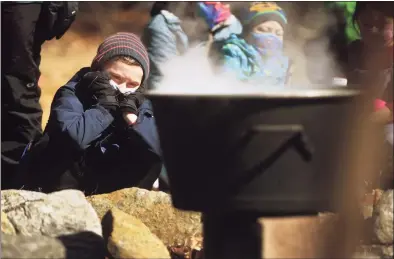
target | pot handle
x=293, y=136
x=299, y=139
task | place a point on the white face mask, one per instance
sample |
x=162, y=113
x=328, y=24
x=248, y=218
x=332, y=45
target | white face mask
x=122, y=87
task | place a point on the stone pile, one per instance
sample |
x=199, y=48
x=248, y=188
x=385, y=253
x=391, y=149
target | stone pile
x=129, y=223
x=136, y=223
x=380, y=227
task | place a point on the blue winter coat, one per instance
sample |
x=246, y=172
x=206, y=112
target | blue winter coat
x=84, y=140
x=81, y=128
x=247, y=64
x=163, y=38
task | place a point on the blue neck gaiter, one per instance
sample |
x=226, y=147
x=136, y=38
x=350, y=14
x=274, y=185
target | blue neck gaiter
x=268, y=44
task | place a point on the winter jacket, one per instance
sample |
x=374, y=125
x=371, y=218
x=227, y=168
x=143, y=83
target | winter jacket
x=83, y=143
x=244, y=60
x=163, y=38
x=346, y=9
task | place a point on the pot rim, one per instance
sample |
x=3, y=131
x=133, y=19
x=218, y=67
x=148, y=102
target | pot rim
x=252, y=94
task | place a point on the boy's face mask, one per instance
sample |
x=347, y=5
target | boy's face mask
x=124, y=77
x=122, y=88
x=267, y=43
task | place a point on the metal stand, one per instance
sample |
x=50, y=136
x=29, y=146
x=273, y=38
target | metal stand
x=232, y=236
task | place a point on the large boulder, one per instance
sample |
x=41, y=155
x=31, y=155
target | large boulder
x=57, y=225
x=155, y=210
x=6, y=226
x=59, y=213
x=33, y=247
x=374, y=251
x=83, y=245
x=383, y=218
x=128, y=237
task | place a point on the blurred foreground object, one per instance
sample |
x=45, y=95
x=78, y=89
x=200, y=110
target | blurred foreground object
x=277, y=160
x=370, y=69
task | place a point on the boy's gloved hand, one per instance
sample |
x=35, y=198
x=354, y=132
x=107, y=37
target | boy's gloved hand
x=214, y=13
x=96, y=86
x=128, y=105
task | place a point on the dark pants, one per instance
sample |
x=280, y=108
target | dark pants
x=21, y=113
x=51, y=165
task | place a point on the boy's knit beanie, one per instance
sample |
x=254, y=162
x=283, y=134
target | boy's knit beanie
x=122, y=44
x=259, y=12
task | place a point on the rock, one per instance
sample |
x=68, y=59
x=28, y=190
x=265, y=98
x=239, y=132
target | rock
x=17, y=246
x=83, y=245
x=387, y=251
x=383, y=218
x=101, y=204
x=6, y=226
x=155, y=210
x=59, y=213
x=374, y=251
x=128, y=237
x=365, y=256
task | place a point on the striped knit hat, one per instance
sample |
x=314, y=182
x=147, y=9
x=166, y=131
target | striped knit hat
x=259, y=12
x=122, y=44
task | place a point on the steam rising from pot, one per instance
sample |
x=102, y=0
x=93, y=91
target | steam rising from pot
x=193, y=73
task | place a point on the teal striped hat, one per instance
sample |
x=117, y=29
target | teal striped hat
x=258, y=12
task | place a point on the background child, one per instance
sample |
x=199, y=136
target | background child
x=257, y=55
x=370, y=67
x=164, y=39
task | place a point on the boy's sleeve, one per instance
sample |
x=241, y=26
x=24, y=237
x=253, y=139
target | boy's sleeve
x=69, y=119
x=144, y=132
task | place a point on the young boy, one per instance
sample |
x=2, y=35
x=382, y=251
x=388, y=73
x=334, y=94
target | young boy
x=257, y=56
x=101, y=133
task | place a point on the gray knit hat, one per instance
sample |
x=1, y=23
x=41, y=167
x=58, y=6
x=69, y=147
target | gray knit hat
x=122, y=44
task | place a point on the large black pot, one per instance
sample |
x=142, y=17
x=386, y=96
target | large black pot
x=273, y=153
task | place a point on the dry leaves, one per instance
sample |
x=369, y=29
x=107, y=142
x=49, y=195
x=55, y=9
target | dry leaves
x=190, y=249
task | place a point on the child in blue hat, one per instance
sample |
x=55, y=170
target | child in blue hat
x=257, y=56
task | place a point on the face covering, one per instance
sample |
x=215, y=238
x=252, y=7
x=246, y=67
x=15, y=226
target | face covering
x=267, y=43
x=122, y=88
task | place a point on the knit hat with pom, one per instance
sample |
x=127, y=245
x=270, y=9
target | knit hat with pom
x=259, y=12
x=122, y=44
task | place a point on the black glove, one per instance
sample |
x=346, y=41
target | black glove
x=130, y=103
x=95, y=86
